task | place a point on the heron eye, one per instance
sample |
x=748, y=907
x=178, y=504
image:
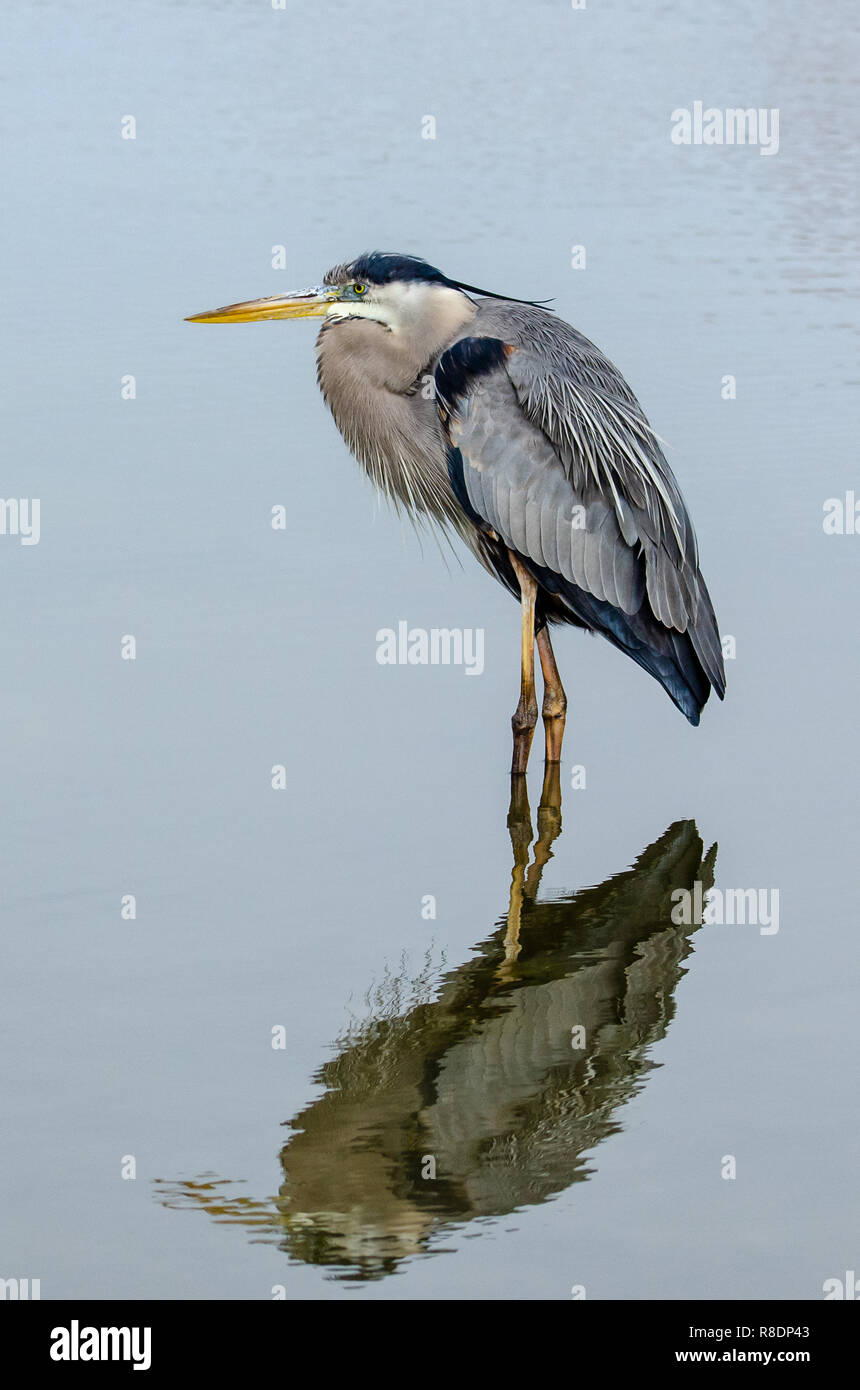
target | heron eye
x=360, y=289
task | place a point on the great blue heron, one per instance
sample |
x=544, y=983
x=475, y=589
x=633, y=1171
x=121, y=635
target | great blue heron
x=493, y=418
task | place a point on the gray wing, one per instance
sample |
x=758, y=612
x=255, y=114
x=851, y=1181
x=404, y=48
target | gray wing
x=557, y=458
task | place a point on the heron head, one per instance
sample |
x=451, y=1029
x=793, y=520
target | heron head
x=397, y=292
x=403, y=294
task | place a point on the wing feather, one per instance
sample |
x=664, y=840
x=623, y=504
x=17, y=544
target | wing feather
x=542, y=424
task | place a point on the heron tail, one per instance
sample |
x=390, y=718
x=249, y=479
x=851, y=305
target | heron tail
x=687, y=664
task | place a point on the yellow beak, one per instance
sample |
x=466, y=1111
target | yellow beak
x=306, y=304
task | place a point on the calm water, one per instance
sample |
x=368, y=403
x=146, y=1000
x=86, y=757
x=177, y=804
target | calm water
x=406, y=1036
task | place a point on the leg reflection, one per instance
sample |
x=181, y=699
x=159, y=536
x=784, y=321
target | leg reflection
x=525, y=878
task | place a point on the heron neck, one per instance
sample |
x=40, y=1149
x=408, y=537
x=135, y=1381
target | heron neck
x=390, y=359
x=387, y=414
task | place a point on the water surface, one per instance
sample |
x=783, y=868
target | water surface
x=301, y=910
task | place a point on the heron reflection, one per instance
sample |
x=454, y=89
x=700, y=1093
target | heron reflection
x=488, y=1097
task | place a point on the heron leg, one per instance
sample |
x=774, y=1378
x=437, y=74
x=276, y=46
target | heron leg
x=554, y=698
x=526, y=713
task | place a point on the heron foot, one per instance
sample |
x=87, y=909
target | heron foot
x=523, y=723
x=554, y=714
